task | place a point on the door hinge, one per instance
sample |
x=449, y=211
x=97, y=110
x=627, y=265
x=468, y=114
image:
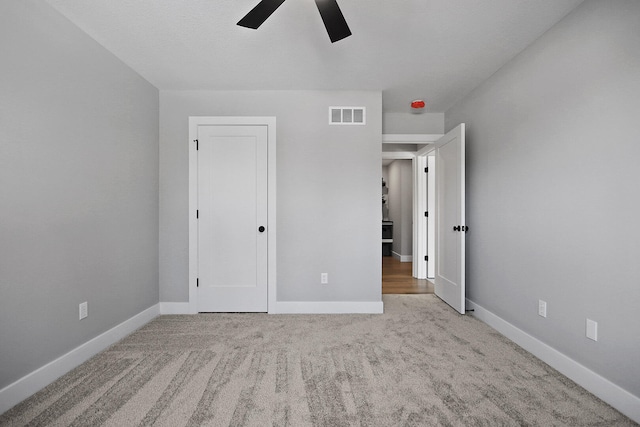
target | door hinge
x=196, y=141
x=197, y=283
x=426, y=170
x=197, y=213
x=426, y=214
x=426, y=257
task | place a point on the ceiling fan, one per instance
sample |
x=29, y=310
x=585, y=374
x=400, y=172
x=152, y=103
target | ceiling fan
x=332, y=17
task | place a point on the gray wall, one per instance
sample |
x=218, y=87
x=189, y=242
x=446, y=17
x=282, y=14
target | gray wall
x=396, y=122
x=328, y=191
x=553, y=156
x=401, y=205
x=78, y=188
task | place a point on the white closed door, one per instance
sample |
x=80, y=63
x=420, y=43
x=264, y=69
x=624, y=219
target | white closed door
x=450, y=219
x=232, y=218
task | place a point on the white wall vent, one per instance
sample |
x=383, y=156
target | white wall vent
x=347, y=115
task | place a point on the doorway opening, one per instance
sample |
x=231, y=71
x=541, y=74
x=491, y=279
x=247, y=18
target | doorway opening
x=404, y=263
x=397, y=229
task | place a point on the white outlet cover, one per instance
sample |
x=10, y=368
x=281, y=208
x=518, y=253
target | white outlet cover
x=324, y=278
x=542, y=308
x=83, y=310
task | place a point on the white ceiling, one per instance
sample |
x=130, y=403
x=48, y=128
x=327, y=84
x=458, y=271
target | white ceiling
x=437, y=50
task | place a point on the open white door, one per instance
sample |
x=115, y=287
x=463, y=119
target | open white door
x=450, y=219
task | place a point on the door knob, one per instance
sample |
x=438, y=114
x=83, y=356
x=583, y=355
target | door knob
x=261, y=229
x=456, y=228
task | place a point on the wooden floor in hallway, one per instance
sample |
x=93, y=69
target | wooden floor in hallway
x=397, y=278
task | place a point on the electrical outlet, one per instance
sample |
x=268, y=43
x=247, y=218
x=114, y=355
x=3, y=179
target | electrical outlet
x=592, y=330
x=542, y=308
x=84, y=310
x=324, y=278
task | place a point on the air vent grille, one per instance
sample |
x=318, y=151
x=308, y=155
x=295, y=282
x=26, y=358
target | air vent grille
x=347, y=115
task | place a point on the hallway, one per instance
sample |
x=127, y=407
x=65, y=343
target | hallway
x=397, y=278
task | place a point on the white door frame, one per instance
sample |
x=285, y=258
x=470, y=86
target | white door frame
x=419, y=162
x=270, y=122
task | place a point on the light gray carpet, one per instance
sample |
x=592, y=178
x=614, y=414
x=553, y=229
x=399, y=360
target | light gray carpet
x=420, y=363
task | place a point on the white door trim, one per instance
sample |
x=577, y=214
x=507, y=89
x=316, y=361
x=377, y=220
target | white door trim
x=410, y=138
x=270, y=122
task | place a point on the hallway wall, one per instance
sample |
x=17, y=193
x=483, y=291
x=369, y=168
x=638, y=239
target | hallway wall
x=401, y=206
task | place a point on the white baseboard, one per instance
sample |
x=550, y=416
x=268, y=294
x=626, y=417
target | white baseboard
x=175, y=308
x=294, y=307
x=402, y=258
x=16, y=392
x=611, y=393
x=328, y=307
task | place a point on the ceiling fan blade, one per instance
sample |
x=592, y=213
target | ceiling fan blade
x=333, y=19
x=260, y=13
